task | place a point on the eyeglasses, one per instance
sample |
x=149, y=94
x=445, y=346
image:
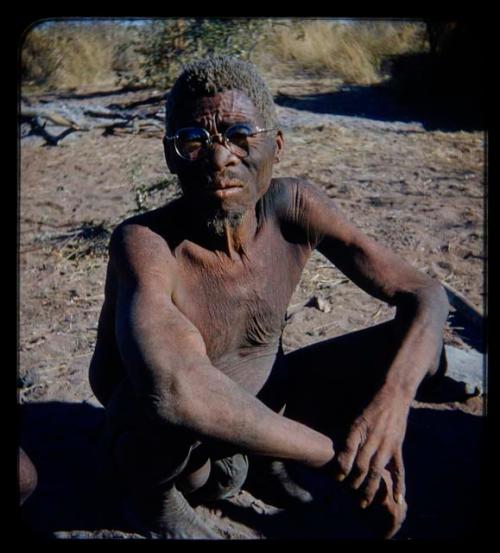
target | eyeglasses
x=192, y=142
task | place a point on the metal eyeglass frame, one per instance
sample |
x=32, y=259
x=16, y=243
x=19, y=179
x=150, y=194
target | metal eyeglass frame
x=221, y=137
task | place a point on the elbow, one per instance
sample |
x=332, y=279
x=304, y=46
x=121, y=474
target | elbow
x=429, y=297
x=431, y=300
x=436, y=297
x=165, y=403
x=173, y=403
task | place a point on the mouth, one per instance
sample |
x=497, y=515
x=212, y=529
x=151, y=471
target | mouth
x=223, y=188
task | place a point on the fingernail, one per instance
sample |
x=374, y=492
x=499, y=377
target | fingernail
x=399, y=499
x=364, y=504
x=340, y=477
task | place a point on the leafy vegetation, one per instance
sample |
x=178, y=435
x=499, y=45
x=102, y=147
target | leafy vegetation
x=64, y=54
x=165, y=46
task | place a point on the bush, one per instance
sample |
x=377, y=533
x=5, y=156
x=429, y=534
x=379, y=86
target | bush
x=354, y=52
x=165, y=46
x=63, y=54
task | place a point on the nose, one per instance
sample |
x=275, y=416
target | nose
x=219, y=156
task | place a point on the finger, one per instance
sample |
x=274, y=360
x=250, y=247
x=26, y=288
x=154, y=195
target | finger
x=397, y=470
x=396, y=510
x=371, y=486
x=345, y=459
x=361, y=467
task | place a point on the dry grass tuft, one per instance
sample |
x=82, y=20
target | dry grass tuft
x=354, y=53
x=64, y=56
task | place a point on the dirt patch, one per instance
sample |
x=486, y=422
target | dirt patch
x=420, y=192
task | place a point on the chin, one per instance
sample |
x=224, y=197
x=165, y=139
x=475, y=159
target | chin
x=217, y=221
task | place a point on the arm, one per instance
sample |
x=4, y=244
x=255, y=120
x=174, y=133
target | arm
x=376, y=437
x=168, y=367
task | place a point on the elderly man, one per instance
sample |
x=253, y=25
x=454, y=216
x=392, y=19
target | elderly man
x=189, y=362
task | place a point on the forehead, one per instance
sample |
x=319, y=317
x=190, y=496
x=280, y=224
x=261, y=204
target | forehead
x=228, y=106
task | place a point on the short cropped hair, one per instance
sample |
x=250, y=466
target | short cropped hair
x=216, y=74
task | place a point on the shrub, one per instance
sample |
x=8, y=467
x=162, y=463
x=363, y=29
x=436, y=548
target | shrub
x=165, y=46
x=353, y=52
x=64, y=54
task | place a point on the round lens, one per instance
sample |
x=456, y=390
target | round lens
x=237, y=138
x=190, y=142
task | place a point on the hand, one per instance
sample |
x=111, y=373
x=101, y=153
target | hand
x=373, y=451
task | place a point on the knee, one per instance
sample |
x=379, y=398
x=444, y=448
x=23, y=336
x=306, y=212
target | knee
x=231, y=473
x=194, y=479
x=145, y=460
x=28, y=477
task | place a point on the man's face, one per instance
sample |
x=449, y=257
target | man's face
x=219, y=178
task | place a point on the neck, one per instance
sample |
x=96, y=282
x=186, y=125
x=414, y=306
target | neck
x=236, y=239
x=229, y=233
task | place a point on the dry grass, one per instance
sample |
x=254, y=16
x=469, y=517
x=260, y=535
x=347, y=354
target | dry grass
x=354, y=53
x=63, y=55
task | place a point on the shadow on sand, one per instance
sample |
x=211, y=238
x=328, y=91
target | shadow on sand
x=442, y=457
x=443, y=476
x=381, y=103
x=62, y=440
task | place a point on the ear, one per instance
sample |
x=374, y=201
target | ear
x=279, y=146
x=170, y=155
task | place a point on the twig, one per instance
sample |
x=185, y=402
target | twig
x=107, y=114
x=50, y=140
x=87, y=298
x=51, y=369
x=28, y=388
x=29, y=115
x=32, y=249
x=323, y=327
x=377, y=313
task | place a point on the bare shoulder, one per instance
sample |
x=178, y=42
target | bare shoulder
x=301, y=207
x=293, y=195
x=139, y=248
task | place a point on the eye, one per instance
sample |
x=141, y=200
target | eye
x=239, y=134
x=191, y=135
x=190, y=140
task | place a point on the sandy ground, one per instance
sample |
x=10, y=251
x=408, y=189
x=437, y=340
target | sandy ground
x=416, y=189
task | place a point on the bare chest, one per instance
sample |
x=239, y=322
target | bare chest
x=239, y=307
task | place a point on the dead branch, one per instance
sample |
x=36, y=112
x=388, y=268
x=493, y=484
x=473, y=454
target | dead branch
x=30, y=114
x=111, y=129
x=50, y=140
x=106, y=114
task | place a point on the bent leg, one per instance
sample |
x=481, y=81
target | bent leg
x=332, y=382
x=212, y=474
x=148, y=462
x=227, y=476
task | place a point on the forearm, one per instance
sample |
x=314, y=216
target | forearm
x=169, y=369
x=421, y=321
x=217, y=408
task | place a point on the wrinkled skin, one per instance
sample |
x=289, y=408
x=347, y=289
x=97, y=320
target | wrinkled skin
x=188, y=355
